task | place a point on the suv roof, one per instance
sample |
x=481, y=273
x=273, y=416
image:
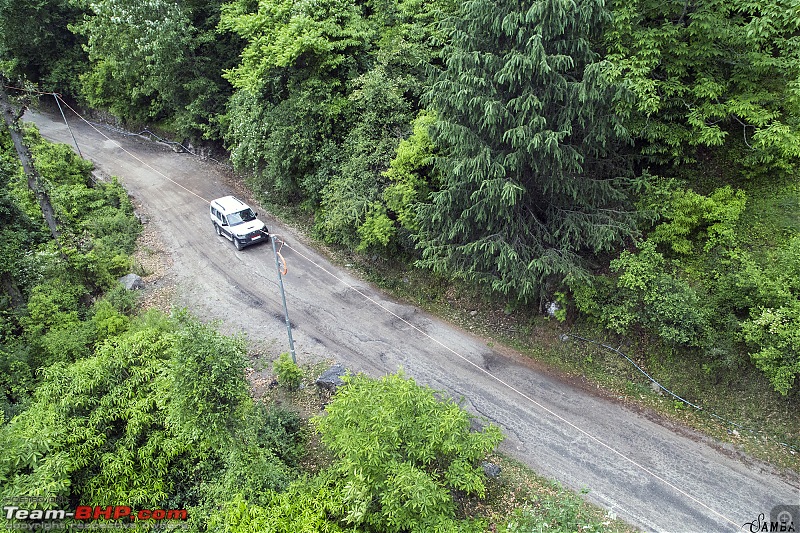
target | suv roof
x=229, y=204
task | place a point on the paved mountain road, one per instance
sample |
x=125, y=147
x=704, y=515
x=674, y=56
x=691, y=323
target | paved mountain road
x=640, y=470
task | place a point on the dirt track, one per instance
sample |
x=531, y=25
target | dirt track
x=639, y=470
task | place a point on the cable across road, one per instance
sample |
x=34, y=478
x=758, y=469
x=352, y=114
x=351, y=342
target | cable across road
x=598, y=441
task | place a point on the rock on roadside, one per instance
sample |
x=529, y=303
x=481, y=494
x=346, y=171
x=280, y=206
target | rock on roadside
x=332, y=378
x=132, y=282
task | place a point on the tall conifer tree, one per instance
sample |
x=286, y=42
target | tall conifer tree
x=531, y=182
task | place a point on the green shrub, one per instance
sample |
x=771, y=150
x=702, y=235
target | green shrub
x=289, y=374
x=401, y=451
x=304, y=507
x=776, y=335
x=94, y=429
x=121, y=299
x=553, y=515
x=209, y=382
x=408, y=173
x=159, y=405
x=68, y=342
x=691, y=217
x=268, y=444
x=647, y=294
x=107, y=320
x=52, y=325
x=52, y=303
x=281, y=431
x=252, y=471
x=377, y=228
x=16, y=380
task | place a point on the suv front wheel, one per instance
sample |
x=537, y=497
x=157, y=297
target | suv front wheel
x=237, y=243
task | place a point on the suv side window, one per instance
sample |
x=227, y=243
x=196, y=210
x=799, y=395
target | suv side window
x=219, y=216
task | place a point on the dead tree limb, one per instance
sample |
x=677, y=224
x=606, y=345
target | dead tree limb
x=11, y=117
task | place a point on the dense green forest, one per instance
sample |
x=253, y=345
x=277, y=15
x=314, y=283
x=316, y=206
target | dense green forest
x=639, y=158
x=636, y=161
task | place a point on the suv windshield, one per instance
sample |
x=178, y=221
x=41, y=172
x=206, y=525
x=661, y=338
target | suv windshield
x=242, y=216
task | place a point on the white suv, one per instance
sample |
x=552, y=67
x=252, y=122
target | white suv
x=234, y=220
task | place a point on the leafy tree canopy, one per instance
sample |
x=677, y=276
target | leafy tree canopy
x=696, y=73
x=36, y=44
x=321, y=35
x=111, y=427
x=401, y=451
x=157, y=60
x=136, y=49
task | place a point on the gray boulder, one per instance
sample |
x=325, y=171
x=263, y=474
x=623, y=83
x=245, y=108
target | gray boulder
x=491, y=470
x=132, y=282
x=332, y=378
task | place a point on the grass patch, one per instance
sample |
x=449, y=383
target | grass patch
x=519, y=496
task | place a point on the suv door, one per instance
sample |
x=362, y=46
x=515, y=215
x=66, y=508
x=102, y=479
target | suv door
x=225, y=228
x=220, y=224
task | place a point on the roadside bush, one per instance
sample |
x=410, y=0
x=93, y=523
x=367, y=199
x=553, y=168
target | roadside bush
x=775, y=333
x=209, y=382
x=258, y=465
x=289, y=374
x=68, y=342
x=268, y=444
x=93, y=430
x=401, y=453
x=121, y=299
x=137, y=417
x=107, y=320
x=99, y=229
x=731, y=303
x=115, y=229
x=281, y=431
x=554, y=516
x=647, y=294
x=304, y=507
x=252, y=471
x=53, y=325
x=92, y=264
x=51, y=304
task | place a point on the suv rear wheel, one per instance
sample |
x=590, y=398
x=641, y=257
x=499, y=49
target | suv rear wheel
x=216, y=228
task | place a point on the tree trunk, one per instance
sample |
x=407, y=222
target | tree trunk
x=11, y=118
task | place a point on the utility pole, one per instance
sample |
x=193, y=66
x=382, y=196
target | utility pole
x=283, y=297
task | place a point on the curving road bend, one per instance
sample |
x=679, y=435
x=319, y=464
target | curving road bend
x=641, y=471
